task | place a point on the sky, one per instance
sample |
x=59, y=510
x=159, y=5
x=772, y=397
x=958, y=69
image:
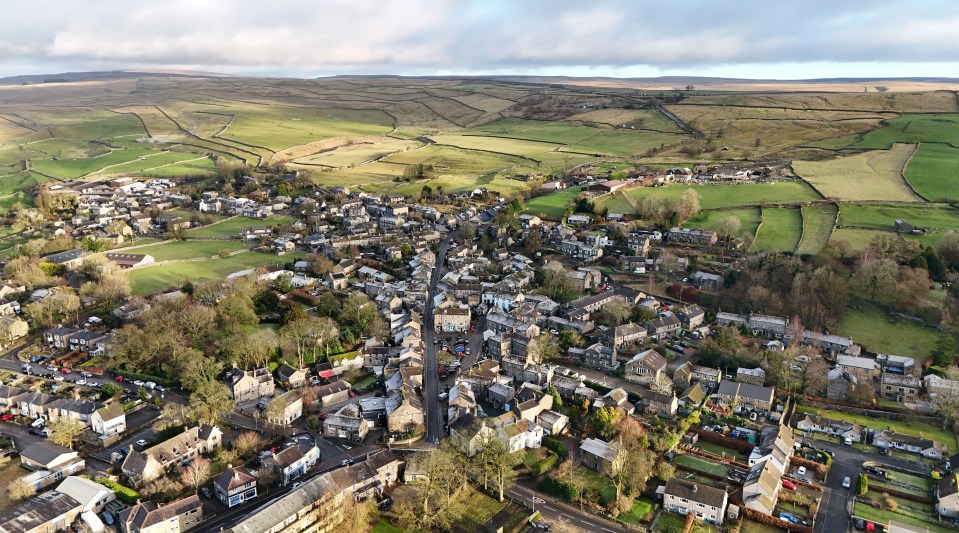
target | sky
x=787, y=39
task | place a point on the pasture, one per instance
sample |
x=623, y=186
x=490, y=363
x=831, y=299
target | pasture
x=231, y=227
x=854, y=239
x=884, y=216
x=877, y=332
x=353, y=154
x=748, y=219
x=874, y=175
x=76, y=168
x=817, y=227
x=280, y=127
x=934, y=172
x=552, y=206
x=913, y=129
x=159, y=278
x=780, y=231
x=716, y=196
x=180, y=250
x=547, y=157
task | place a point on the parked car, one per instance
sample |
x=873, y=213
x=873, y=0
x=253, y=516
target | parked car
x=205, y=491
x=801, y=471
x=107, y=518
x=787, y=517
x=66, y=370
x=860, y=524
x=35, y=431
x=141, y=442
x=789, y=485
x=119, y=378
x=7, y=417
x=846, y=483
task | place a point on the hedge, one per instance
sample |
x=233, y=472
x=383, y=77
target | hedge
x=124, y=493
x=555, y=446
x=545, y=464
x=560, y=489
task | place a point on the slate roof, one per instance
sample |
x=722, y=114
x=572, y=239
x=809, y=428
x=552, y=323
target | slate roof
x=36, y=512
x=146, y=514
x=43, y=452
x=696, y=492
x=232, y=478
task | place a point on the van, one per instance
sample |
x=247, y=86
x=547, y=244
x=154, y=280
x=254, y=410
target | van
x=847, y=441
x=150, y=385
x=38, y=423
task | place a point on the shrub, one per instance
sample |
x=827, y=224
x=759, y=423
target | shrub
x=555, y=446
x=862, y=485
x=545, y=464
x=124, y=493
x=560, y=489
x=936, y=474
x=224, y=253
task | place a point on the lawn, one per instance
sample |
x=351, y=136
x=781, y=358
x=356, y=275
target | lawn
x=642, y=508
x=600, y=484
x=884, y=216
x=716, y=196
x=817, y=227
x=874, y=175
x=748, y=219
x=780, y=231
x=179, y=250
x=718, y=449
x=907, y=427
x=552, y=206
x=934, y=172
x=868, y=326
x=931, y=128
x=748, y=526
x=479, y=509
x=383, y=526
x=231, y=227
x=701, y=465
x=884, y=516
x=673, y=523
x=159, y=278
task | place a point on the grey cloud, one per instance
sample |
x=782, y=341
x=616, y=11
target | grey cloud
x=425, y=36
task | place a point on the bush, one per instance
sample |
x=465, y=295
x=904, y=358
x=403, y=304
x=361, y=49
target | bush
x=557, y=488
x=862, y=485
x=545, y=464
x=936, y=474
x=124, y=494
x=555, y=446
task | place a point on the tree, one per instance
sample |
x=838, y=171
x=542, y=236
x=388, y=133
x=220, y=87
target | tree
x=210, y=401
x=728, y=227
x=248, y=443
x=359, y=516
x=543, y=348
x=534, y=241
x=662, y=384
x=862, y=485
x=19, y=490
x=236, y=310
x=320, y=264
x=570, y=338
x=614, y=313
x=605, y=421
x=948, y=248
x=641, y=315
x=266, y=476
x=946, y=399
x=64, y=431
x=688, y=205
x=556, y=284
x=110, y=389
x=664, y=470
x=633, y=463
x=196, y=473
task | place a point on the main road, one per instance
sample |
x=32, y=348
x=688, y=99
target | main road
x=434, y=417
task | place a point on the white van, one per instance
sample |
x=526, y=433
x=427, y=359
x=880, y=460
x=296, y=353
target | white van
x=38, y=423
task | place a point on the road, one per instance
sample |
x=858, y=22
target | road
x=431, y=387
x=554, y=509
x=833, y=510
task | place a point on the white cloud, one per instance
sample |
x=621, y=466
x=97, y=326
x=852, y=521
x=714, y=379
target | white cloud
x=432, y=36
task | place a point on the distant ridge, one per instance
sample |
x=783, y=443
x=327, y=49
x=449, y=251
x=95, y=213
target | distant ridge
x=74, y=77
x=694, y=80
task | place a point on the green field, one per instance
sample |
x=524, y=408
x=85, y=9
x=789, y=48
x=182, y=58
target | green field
x=280, y=127
x=748, y=219
x=874, y=175
x=716, y=196
x=552, y=206
x=884, y=216
x=934, y=172
x=179, y=250
x=929, y=128
x=231, y=227
x=547, y=157
x=19, y=182
x=358, y=153
x=877, y=332
x=579, y=137
x=857, y=239
x=449, y=160
x=162, y=277
x=75, y=168
x=817, y=227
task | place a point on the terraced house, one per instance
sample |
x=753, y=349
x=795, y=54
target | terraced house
x=707, y=503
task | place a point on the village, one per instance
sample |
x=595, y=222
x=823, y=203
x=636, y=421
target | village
x=572, y=364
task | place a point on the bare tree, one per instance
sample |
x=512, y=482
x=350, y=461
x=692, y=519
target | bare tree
x=196, y=473
x=64, y=431
x=19, y=489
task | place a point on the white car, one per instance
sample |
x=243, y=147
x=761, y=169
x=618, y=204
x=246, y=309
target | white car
x=801, y=471
x=141, y=442
x=846, y=483
x=59, y=378
x=81, y=382
x=138, y=383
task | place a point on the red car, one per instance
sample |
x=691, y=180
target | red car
x=789, y=485
x=65, y=370
x=7, y=417
x=119, y=378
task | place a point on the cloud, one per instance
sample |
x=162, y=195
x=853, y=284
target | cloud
x=430, y=36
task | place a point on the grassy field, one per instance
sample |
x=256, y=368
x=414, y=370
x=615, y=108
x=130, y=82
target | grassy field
x=874, y=175
x=449, y=160
x=384, y=526
x=579, y=137
x=642, y=508
x=231, y=227
x=934, y=172
x=279, y=127
x=877, y=332
x=817, y=227
x=75, y=168
x=884, y=216
x=716, y=196
x=159, y=278
x=673, y=523
x=748, y=218
x=600, y=484
x=780, y=231
x=552, y=206
x=358, y=153
x=931, y=128
x=857, y=239
x=547, y=157
x=178, y=250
